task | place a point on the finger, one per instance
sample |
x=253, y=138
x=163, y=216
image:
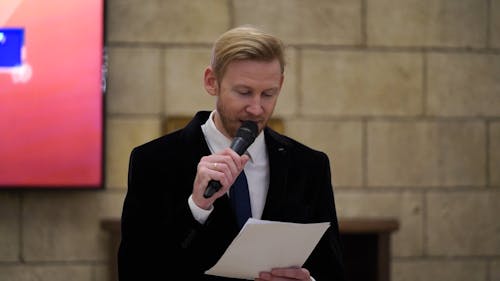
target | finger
x=238, y=160
x=226, y=167
x=201, y=183
x=216, y=163
x=205, y=173
x=292, y=272
x=245, y=158
x=230, y=164
x=222, y=158
x=264, y=276
x=227, y=162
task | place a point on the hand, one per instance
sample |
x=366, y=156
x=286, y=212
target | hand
x=224, y=167
x=290, y=273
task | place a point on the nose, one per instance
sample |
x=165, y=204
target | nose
x=255, y=107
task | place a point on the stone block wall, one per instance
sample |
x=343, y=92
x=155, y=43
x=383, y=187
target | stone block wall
x=403, y=95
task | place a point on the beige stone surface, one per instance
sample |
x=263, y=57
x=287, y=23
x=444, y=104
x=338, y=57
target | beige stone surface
x=361, y=83
x=135, y=81
x=102, y=272
x=288, y=99
x=9, y=227
x=463, y=84
x=46, y=272
x=302, y=22
x=184, y=92
x=495, y=23
x=123, y=134
x=463, y=223
x=439, y=270
x=65, y=226
x=494, y=153
x=166, y=21
x=440, y=23
x=341, y=141
x=406, y=207
x=495, y=270
x=426, y=153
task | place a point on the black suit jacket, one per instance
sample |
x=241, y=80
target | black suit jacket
x=162, y=241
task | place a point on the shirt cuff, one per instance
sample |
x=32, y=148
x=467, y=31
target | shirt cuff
x=199, y=214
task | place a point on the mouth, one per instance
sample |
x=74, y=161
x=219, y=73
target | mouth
x=255, y=121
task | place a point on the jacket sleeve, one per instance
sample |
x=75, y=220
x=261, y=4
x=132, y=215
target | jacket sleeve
x=158, y=232
x=325, y=262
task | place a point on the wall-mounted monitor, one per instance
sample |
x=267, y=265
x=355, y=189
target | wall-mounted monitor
x=52, y=84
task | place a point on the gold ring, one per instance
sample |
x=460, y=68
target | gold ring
x=215, y=165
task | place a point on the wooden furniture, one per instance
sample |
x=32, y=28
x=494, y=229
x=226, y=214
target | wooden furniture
x=367, y=247
x=366, y=243
x=112, y=225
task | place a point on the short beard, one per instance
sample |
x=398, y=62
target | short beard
x=226, y=122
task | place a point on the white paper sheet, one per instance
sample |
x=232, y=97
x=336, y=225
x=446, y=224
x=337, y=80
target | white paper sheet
x=262, y=245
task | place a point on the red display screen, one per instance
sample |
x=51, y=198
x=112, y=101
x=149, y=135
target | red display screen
x=51, y=94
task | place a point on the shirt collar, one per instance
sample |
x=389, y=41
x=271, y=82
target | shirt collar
x=217, y=141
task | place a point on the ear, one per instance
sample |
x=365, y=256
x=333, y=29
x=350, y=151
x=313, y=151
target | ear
x=210, y=81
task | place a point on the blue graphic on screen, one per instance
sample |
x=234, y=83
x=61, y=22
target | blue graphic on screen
x=11, y=43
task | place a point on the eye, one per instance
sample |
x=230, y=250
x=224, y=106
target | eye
x=244, y=92
x=269, y=94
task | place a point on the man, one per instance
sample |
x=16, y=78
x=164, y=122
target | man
x=170, y=231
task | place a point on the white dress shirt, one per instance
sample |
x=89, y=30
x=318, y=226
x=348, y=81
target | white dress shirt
x=256, y=169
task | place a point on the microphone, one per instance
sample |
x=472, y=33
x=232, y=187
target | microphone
x=245, y=136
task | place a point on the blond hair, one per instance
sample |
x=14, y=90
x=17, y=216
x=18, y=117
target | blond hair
x=245, y=43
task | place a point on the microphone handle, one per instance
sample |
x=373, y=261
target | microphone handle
x=213, y=187
x=239, y=145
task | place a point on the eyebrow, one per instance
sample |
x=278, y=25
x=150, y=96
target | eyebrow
x=240, y=86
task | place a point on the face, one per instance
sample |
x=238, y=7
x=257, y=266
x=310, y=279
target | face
x=248, y=91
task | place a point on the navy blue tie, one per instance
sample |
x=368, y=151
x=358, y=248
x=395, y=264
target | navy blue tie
x=240, y=199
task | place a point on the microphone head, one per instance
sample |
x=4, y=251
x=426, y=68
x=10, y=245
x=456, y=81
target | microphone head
x=247, y=131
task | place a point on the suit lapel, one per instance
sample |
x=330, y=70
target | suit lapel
x=277, y=149
x=192, y=137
